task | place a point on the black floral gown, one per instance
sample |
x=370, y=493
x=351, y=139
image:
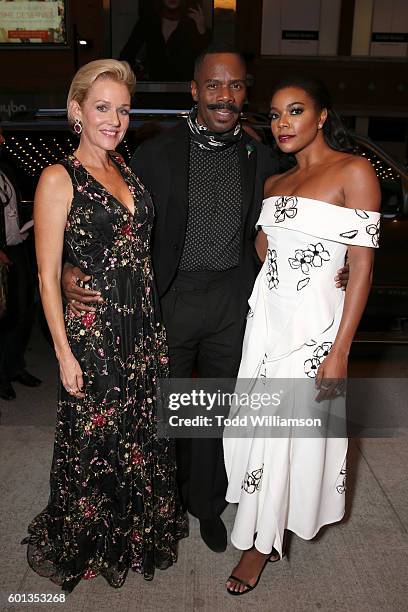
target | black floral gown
x=113, y=502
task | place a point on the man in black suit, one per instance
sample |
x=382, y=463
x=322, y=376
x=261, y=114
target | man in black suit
x=206, y=179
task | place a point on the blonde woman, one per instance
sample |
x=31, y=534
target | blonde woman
x=113, y=503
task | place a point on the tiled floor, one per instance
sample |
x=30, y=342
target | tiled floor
x=359, y=565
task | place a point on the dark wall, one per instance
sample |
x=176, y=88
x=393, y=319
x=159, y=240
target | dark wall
x=363, y=86
x=358, y=85
x=29, y=71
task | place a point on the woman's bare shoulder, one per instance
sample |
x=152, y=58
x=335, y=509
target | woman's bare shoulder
x=360, y=184
x=358, y=165
x=351, y=163
x=56, y=180
x=55, y=175
x=54, y=186
x=271, y=183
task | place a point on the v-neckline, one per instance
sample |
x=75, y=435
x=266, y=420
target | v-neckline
x=95, y=180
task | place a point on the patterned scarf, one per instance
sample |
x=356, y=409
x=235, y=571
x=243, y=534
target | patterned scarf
x=211, y=141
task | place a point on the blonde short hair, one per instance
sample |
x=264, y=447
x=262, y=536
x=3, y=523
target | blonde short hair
x=86, y=76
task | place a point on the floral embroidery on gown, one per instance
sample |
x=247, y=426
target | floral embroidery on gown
x=113, y=503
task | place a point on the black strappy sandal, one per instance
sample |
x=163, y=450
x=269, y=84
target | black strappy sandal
x=249, y=587
x=275, y=552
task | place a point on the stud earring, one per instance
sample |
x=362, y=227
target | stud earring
x=77, y=126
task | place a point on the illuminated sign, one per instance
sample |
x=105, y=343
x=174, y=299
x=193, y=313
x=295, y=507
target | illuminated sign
x=32, y=22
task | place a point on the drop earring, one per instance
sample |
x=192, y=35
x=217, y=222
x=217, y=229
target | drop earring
x=77, y=126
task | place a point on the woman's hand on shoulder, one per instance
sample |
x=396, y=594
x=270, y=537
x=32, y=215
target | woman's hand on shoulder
x=360, y=185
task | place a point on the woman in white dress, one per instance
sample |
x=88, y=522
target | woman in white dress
x=300, y=326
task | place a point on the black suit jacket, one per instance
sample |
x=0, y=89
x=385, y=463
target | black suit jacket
x=162, y=164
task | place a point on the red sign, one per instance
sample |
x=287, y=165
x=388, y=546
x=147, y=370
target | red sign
x=42, y=34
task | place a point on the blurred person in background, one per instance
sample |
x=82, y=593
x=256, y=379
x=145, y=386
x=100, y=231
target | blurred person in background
x=170, y=34
x=16, y=325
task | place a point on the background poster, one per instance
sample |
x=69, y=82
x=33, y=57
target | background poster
x=161, y=38
x=32, y=22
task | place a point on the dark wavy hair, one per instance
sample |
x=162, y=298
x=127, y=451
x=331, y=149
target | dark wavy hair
x=334, y=132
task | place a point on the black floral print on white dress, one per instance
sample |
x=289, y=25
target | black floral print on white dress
x=303, y=283
x=323, y=350
x=262, y=369
x=252, y=481
x=312, y=365
x=305, y=260
x=272, y=272
x=341, y=486
x=285, y=207
x=361, y=213
x=349, y=235
x=374, y=231
x=318, y=254
x=302, y=260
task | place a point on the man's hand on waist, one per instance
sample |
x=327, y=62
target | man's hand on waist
x=80, y=299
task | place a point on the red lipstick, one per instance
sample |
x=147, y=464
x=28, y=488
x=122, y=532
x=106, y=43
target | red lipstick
x=285, y=137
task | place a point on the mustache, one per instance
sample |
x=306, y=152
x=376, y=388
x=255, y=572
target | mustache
x=233, y=108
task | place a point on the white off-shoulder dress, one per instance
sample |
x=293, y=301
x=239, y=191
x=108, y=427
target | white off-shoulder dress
x=292, y=482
